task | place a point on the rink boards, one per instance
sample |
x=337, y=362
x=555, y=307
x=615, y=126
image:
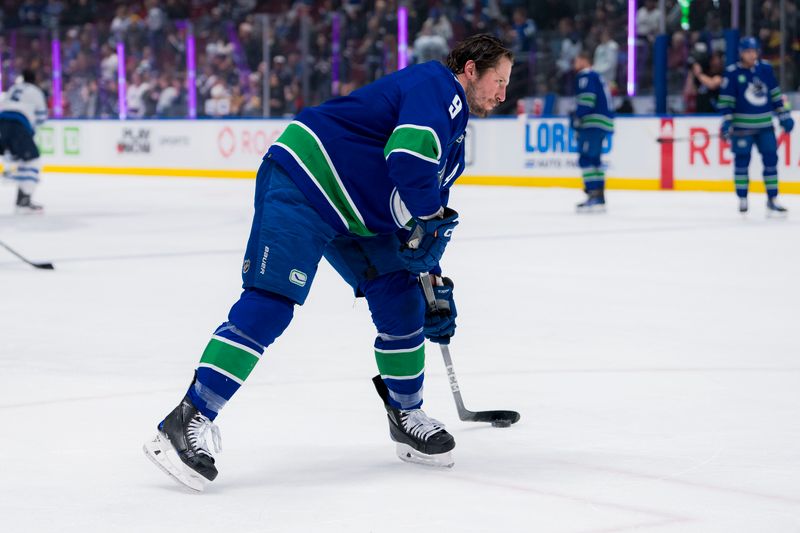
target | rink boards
x=520, y=151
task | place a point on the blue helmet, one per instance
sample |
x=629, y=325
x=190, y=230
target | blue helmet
x=748, y=43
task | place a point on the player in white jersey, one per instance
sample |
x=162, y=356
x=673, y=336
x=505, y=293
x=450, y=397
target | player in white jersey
x=21, y=111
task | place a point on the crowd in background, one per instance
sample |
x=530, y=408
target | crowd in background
x=545, y=36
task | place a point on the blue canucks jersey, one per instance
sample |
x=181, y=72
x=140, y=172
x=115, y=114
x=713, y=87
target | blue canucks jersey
x=389, y=151
x=749, y=96
x=594, y=101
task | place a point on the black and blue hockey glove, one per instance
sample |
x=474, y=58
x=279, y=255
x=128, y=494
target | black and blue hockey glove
x=440, y=325
x=787, y=123
x=428, y=240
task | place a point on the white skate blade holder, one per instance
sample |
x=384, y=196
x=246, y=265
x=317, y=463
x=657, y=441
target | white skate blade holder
x=591, y=209
x=410, y=455
x=163, y=454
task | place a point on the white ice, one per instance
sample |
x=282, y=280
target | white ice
x=653, y=353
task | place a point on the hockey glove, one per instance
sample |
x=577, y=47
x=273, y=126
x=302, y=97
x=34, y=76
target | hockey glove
x=427, y=242
x=786, y=121
x=440, y=325
x=575, y=121
x=725, y=129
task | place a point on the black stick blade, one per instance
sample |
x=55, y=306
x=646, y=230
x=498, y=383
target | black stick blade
x=496, y=418
x=44, y=266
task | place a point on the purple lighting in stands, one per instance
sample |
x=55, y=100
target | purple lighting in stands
x=191, y=74
x=121, y=83
x=402, y=37
x=631, y=48
x=58, y=107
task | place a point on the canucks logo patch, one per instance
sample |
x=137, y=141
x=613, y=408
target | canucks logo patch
x=756, y=92
x=298, y=278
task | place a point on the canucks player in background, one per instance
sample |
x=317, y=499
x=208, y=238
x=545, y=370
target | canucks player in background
x=350, y=180
x=593, y=121
x=749, y=96
x=21, y=111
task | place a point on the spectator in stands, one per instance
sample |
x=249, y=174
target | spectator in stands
x=108, y=62
x=525, y=31
x=29, y=13
x=439, y=24
x=169, y=99
x=135, y=97
x=569, y=47
x=121, y=21
x=605, y=57
x=648, y=21
x=429, y=46
x=79, y=13
x=706, y=73
x=677, y=58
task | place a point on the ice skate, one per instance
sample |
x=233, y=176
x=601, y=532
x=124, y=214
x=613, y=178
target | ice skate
x=776, y=210
x=743, y=205
x=595, y=202
x=420, y=439
x=25, y=205
x=179, y=447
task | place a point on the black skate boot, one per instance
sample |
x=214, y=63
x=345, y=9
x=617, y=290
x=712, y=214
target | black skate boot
x=743, y=205
x=595, y=202
x=774, y=209
x=419, y=439
x=179, y=447
x=25, y=205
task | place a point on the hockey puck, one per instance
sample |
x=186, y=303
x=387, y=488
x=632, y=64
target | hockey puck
x=501, y=424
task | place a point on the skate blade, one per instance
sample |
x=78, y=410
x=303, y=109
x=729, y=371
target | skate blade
x=26, y=211
x=777, y=214
x=410, y=455
x=163, y=454
x=591, y=209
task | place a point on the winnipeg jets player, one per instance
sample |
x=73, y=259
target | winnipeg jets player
x=21, y=111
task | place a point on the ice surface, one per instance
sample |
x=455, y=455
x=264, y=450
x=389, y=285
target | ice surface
x=653, y=353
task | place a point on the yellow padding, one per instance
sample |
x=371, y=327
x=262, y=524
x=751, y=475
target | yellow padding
x=631, y=184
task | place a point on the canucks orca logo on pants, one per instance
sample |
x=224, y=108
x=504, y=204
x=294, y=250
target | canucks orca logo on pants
x=298, y=278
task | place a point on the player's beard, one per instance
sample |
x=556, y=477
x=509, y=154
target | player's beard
x=473, y=103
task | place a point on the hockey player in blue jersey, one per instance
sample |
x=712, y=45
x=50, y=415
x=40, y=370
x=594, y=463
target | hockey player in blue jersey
x=593, y=121
x=749, y=97
x=350, y=180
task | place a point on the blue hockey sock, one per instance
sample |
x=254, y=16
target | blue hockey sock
x=401, y=362
x=254, y=322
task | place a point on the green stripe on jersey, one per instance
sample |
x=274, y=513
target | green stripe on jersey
x=419, y=141
x=401, y=364
x=307, y=150
x=754, y=121
x=598, y=121
x=232, y=358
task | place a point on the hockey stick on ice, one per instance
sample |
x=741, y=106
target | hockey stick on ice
x=499, y=418
x=43, y=266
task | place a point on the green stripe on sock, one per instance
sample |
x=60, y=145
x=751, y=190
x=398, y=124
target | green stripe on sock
x=401, y=364
x=231, y=359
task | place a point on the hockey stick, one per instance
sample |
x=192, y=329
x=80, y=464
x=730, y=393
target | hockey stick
x=498, y=419
x=744, y=133
x=43, y=266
